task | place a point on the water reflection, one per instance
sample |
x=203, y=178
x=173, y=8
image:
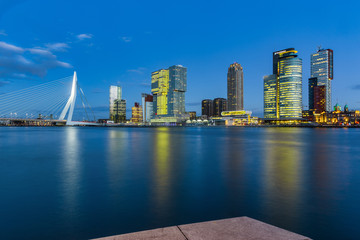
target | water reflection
x=117, y=154
x=162, y=153
x=71, y=170
x=283, y=171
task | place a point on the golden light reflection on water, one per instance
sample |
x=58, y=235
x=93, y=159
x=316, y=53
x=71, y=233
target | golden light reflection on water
x=283, y=168
x=162, y=153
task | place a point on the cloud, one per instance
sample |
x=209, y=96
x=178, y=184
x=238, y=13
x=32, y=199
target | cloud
x=84, y=36
x=57, y=47
x=18, y=62
x=3, y=83
x=139, y=70
x=126, y=39
x=356, y=87
x=2, y=33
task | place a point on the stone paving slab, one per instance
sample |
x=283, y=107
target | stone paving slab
x=241, y=228
x=168, y=233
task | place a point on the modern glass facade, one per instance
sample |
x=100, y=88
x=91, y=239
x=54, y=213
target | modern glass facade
x=119, y=111
x=283, y=89
x=114, y=98
x=168, y=87
x=235, y=89
x=322, y=69
x=270, y=96
x=177, y=89
x=147, y=106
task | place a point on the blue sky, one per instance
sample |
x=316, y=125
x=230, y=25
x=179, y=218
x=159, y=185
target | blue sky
x=122, y=42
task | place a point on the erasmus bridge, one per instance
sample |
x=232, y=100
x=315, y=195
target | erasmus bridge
x=52, y=103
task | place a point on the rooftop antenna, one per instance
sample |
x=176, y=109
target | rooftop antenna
x=319, y=48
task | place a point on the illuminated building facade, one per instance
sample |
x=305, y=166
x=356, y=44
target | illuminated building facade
x=117, y=105
x=283, y=89
x=177, y=89
x=136, y=113
x=220, y=105
x=114, y=94
x=207, y=107
x=147, y=106
x=322, y=69
x=168, y=87
x=119, y=111
x=160, y=91
x=319, y=99
x=235, y=89
x=192, y=115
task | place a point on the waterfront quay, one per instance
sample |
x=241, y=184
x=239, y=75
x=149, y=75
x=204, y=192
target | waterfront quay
x=241, y=228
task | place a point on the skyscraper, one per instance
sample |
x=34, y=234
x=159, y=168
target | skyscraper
x=168, y=87
x=220, y=105
x=116, y=106
x=147, y=106
x=283, y=89
x=322, y=69
x=235, y=89
x=207, y=107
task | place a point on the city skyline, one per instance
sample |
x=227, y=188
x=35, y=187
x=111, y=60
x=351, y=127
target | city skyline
x=126, y=52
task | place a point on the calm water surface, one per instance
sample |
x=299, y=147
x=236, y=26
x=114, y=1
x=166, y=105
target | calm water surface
x=80, y=183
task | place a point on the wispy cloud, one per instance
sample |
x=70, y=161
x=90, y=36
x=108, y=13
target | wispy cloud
x=126, y=39
x=84, y=36
x=58, y=47
x=18, y=62
x=3, y=83
x=356, y=87
x=3, y=33
x=139, y=70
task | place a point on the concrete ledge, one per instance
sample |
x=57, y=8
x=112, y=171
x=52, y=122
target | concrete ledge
x=241, y=228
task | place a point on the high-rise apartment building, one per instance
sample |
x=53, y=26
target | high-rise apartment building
x=147, y=106
x=283, y=89
x=220, y=105
x=136, y=113
x=207, y=107
x=235, y=88
x=322, y=70
x=168, y=87
x=119, y=111
x=117, y=105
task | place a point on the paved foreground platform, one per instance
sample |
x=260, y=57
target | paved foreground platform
x=241, y=228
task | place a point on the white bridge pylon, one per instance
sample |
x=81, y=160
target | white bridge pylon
x=70, y=105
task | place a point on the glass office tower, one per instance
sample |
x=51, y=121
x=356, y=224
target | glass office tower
x=283, y=89
x=270, y=97
x=177, y=89
x=322, y=69
x=168, y=87
x=235, y=89
x=114, y=98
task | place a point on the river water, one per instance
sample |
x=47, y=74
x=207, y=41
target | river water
x=81, y=183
